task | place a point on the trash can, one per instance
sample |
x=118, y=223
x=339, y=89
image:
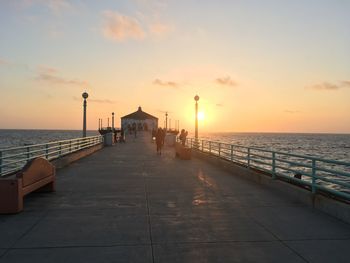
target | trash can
x=109, y=139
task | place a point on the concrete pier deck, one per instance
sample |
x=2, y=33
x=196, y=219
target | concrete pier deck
x=127, y=204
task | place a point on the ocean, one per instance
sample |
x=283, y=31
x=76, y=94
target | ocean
x=327, y=146
x=14, y=138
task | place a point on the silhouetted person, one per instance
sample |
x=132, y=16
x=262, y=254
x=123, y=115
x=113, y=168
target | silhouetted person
x=115, y=136
x=159, y=140
x=122, y=138
x=163, y=135
x=183, y=136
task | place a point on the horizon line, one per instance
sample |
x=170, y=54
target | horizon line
x=265, y=132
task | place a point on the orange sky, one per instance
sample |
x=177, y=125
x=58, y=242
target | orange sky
x=257, y=67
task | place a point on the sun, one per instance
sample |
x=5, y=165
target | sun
x=200, y=116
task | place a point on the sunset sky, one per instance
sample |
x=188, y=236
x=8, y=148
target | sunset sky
x=257, y=65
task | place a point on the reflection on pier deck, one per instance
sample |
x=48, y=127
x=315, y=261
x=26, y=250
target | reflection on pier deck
x=127, y=204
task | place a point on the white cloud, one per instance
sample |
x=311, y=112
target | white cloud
x=120, y=27
x=49, y=76
x=56, y=6
x=226, y=81
x=4, y=62
x=162, y=83
x=101, y=101
x=330, y=86
x=291, y=111
x=159, y=29
x=345, y=83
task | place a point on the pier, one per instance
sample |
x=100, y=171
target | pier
x=125, y=203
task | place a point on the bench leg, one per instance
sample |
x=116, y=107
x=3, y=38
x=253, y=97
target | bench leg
x=11, y=196
x=50, y=187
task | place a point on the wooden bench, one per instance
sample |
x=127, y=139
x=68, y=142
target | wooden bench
x=182, y=152
x=37, y=175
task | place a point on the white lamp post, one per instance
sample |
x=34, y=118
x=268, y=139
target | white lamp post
x=166, y=121
x=112, y=121
x=196, y=98
x=85, y=95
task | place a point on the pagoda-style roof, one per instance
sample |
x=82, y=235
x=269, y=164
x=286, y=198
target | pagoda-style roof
x=139, y=115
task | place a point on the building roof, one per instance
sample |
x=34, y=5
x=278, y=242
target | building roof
x=139, y=115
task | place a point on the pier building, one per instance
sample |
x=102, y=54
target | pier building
x=139, y=120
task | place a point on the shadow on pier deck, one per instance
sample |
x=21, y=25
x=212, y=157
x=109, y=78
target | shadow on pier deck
x=127, y=204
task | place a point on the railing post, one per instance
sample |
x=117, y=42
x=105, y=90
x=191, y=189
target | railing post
x=231, y=153
x=0, y=162
x=313, y=174
x=47, y=151
x=219, y=149
x=59, y=149
x=202, y=144
x=248, y=157
x=191, y=143
x=209, y=146
x=70, y=146
x=273, y=165
x=28, y=153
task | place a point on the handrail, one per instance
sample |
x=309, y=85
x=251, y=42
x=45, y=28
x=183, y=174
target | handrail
x=48, y=143
x=319, y=174
x=13, y=159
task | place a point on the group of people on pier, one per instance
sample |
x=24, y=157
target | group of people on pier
x=159, y=136
x=183, y=136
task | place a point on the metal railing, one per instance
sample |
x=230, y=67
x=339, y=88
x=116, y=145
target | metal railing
x=13, y=159
x=317, y=174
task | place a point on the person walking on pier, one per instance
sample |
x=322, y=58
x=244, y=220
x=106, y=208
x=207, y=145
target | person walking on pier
x=159, y=140
x=163, y=135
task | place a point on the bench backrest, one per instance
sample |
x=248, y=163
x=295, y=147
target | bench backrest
x=35, y=170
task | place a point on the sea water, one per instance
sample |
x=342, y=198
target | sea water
x=327, y=146
x=14, y=138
